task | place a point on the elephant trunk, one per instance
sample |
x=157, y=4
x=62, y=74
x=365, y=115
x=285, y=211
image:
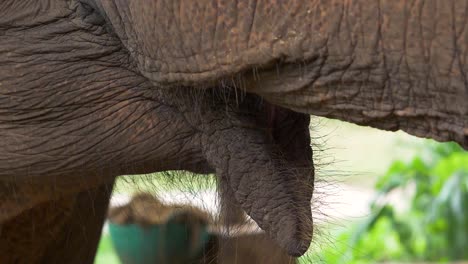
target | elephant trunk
x=270, y=187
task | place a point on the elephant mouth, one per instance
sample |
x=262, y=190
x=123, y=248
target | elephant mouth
x=279, y=77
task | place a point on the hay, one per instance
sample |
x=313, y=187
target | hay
x=145, y=209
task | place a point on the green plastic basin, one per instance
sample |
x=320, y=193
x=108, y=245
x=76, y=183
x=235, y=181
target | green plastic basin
x=164, y=243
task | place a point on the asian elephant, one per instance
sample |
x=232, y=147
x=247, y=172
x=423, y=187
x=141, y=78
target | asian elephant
x=93, y=89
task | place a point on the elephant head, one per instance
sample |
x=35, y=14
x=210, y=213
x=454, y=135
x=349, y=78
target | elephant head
x=92, y=89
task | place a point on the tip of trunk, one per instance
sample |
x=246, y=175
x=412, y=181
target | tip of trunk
x=293, y=235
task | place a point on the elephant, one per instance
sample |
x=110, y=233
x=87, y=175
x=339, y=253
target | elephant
x=94, y=89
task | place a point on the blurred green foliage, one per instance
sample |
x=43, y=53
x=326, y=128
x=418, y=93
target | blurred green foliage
x=433, y=226
x=106, y=253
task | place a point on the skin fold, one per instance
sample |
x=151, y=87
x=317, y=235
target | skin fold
x=94, y=89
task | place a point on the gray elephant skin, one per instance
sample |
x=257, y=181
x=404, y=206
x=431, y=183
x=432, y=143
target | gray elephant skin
x=94, y=89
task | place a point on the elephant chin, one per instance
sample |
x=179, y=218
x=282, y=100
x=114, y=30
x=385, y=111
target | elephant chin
x=269, y=173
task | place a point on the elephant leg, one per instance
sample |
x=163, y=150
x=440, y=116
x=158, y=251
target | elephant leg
x=78, y=241
x=58, y=231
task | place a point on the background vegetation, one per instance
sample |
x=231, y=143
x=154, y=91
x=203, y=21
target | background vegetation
x=432, y=227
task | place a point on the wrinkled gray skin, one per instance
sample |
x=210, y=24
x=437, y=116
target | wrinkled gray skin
x=93, y=89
